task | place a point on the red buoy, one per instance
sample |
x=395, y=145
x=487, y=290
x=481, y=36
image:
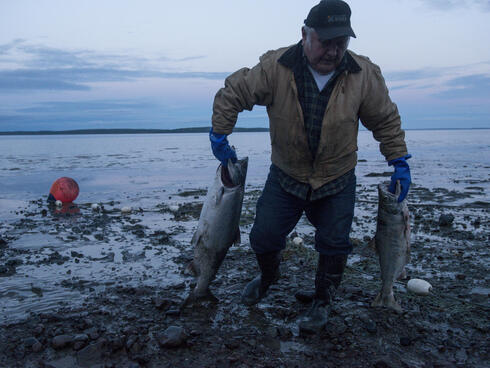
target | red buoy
x=64, y=189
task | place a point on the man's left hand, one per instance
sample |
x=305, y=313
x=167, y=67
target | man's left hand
x=401, y=174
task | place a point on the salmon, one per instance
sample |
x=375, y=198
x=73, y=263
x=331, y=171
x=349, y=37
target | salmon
x=392, y=243
x=218, y=227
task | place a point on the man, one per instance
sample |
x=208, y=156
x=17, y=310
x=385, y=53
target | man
x=315, y=93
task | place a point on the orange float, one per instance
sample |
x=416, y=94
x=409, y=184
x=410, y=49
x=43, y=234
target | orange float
x=64, y=189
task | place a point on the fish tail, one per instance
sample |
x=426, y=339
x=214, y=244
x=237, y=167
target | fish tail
x=191, y=269
x=386, y=300
x=372, y=244
x=195, y=297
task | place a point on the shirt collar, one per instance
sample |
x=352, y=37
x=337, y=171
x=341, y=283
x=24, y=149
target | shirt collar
x=294, y=57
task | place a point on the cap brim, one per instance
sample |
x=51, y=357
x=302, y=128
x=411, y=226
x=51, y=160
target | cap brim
x=329, y=33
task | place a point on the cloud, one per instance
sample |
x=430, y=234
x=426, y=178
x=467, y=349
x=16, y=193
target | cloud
x=472, y=86
x=471, y=81
x=453, y=4
x=4, y=49
x=47, y=68
x=81, y=78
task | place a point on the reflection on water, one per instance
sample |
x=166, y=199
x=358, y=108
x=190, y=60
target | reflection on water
x=71, y=252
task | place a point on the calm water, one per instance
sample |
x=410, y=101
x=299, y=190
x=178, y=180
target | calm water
x=146, y=170
x=118, y=166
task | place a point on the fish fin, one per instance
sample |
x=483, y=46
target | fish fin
x=238, y=238
x=403, y=274
x=193, y=298
x=372, y=244
x=219, y=195
x=387, y=301
x=191, y=269
x=195, y=238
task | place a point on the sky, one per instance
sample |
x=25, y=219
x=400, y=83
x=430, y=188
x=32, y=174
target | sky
x=157, y=64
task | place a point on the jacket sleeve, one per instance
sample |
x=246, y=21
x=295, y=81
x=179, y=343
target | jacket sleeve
x=380, y=115
x=243, y=89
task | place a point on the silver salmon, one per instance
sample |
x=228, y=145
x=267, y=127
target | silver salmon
x=392, y=243
x=218, y=227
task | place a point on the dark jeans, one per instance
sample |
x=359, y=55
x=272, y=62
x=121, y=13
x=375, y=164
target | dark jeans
x=278, y=212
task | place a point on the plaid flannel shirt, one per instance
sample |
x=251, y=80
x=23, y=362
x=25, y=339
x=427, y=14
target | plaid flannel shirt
x=313, y=103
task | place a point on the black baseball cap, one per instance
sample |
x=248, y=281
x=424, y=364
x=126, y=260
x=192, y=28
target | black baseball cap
x=330, y=19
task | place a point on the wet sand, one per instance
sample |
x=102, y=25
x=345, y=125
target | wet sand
x=98, y=288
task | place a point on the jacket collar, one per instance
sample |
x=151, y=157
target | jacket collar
x=293, y=57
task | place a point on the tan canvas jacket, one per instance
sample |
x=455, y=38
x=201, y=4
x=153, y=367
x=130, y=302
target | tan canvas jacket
x=362, y=95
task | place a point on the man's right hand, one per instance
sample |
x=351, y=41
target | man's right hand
x=221, y=148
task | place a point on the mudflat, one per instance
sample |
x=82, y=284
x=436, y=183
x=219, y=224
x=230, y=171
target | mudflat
x=82, y=286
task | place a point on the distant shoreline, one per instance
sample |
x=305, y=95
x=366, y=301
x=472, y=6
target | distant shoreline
x=127, y=131
x=164, y=131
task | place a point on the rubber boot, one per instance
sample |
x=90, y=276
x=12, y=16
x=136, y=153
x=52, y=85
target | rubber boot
x=327, y=280
x=256, y=289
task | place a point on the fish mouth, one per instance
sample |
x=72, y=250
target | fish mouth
x=235, y=173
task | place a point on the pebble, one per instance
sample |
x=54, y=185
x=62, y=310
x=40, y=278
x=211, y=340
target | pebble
x=61, y=341
x=173, y=336
x=65, y=362
x=446, y=219
x=173, y=208
x=30, y=341
x=80, y=337
x=298, y=241
x=370, y=326
x=91, y=354
x=126, y=210
x=93, y=333
x=405, y=341
x=94, y=206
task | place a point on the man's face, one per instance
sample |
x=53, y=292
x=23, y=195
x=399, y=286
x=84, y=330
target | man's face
x=324, y=56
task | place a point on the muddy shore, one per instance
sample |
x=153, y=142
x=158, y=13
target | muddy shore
x=124, y=312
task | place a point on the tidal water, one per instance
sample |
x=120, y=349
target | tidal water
x=145, y=171
x=109, y=167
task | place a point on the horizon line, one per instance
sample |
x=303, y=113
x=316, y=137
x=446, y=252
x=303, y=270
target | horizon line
x=168, y=131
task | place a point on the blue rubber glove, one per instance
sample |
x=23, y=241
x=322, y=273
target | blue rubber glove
x=221, y=148
x=402, y=174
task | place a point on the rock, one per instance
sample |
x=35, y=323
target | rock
x=93, y=333
x=412, y=363
x=446, y=220
x=76, y=254
x=172, y=337
x=65, y=362
x=131, y=340
x=370, y=326
x=116, y=343
x=382, y=363
x=405, y=341
x=461, y=356
x=80, y=341
x=61, y=341
x=7, y=270
x=37, y=347
x=91, y=354
x=442, y=364
x=298, y=241
x=33, y=344
x=161, y=303
x=78, y=345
